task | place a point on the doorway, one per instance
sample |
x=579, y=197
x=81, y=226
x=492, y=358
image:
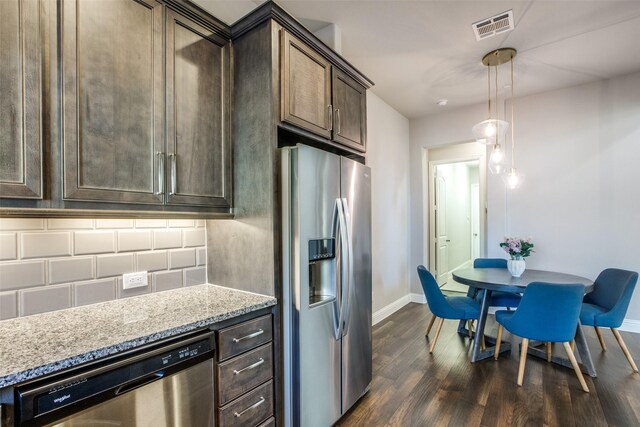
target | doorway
x=456, y=236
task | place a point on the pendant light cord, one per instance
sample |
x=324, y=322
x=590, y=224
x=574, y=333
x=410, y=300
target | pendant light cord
x=513, y=141
x=489, y=89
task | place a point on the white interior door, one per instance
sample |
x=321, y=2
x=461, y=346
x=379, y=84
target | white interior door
x=475, y=221
x=442, y=239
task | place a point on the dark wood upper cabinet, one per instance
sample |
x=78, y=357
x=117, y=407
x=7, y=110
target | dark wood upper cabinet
x=350, y=111
x=316, y=96
x=112, y=97
x=306, y=87
x=20, y=100
x=198, y=86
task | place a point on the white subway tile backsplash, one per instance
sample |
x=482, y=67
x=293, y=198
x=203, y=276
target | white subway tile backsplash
x=195, y=276
x=201, y=256
x=167, y=239
x=151, y=223
x=9, y=305
x=8, y=246
x=165, y=280
x=114, y=265
x=94, y=291
x=136, y=240
x=180, y=258
x=114, y=223
x=151, y=261
x=48, y=244
x=65, y=270
x=194, y=237
x=69, y=223
x=43, y=299
x=21, y=274
x=181, y=223
x=94, y=242
x=21, y=224
x=55, y=263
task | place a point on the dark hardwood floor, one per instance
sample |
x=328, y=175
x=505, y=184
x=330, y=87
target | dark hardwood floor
x=413, y=388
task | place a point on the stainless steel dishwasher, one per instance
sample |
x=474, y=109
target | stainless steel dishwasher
x=164, y=385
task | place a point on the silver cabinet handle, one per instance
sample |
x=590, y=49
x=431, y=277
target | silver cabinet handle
x=338, y=121
x=160, y=164
x=255, y=405
x=174, y=184
x=246, y=337
x=248, y=368
x=330, y=107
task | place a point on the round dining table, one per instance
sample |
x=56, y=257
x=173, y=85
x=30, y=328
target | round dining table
x=499, y=279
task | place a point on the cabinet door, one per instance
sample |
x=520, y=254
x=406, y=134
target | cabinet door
x=20, y=95
x=305, y=87
x=112, y=89
x=198, y=84
x=350, y=111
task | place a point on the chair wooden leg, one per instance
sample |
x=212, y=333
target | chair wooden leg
x=576, y=368
x=549, y=351
x=433, y=344
x=498, y=342
x=624, y=348
x=523, y=359
x=483, y=345
x=573, y=345
x=470, y=328
x=599, y=334
x=433, y=319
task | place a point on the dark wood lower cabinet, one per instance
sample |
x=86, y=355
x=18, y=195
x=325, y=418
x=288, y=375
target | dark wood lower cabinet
x=244, y=374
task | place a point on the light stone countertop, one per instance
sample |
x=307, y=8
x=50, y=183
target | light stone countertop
x=37, y=345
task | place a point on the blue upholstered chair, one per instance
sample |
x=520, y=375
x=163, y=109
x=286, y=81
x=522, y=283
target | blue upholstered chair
x=607, y=305
x=445, y=307
x=498, y=298
x=548, y=312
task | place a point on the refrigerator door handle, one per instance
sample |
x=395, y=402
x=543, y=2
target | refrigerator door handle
x=350, y=274
x=340, y=233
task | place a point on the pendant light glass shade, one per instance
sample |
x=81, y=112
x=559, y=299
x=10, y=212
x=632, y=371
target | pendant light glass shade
x=497, y=160
x=490, y=131
x=513, y=179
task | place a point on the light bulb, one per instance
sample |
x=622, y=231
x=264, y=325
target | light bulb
x=513, y=179
x=490, y=130
x=497, y=160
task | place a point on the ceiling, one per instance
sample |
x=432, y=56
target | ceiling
x=418, y=52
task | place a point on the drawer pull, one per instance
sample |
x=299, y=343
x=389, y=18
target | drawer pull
x=255, y=405
x=246, y=337
x=255, y=365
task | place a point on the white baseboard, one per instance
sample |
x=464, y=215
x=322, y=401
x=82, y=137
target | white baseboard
x=629, y=325
x=388, y=310
x=418, y=298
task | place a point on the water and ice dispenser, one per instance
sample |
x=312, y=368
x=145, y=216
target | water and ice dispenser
x=322, y=271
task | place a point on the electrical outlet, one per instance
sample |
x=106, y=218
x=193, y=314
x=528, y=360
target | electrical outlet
x=134, y=280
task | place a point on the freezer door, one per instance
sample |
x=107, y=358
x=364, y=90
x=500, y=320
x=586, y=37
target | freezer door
x=356, y=340
x=311, y=323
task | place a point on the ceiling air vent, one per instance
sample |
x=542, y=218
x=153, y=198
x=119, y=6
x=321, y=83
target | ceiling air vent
x=501, y=23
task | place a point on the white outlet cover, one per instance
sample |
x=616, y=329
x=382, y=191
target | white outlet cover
x=134, y=280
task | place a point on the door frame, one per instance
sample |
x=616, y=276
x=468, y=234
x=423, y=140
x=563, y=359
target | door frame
x=451, y=153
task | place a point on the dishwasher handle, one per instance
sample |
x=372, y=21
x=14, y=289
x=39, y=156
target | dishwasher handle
x=139, y=382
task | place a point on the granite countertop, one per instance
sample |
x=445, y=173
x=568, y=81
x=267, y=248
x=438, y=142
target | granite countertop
x=37, y=345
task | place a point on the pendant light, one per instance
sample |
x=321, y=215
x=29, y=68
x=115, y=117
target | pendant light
x=513, y=179
x=491, y=130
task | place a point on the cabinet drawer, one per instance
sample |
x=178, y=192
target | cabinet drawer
x=240, y=374
x=245, y=336
x=250, y=409
x=271, y=422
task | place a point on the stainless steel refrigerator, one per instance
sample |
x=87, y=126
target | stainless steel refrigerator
x=326, y=202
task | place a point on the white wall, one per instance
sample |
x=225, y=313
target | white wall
x=388, y=157
x=580, y=150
